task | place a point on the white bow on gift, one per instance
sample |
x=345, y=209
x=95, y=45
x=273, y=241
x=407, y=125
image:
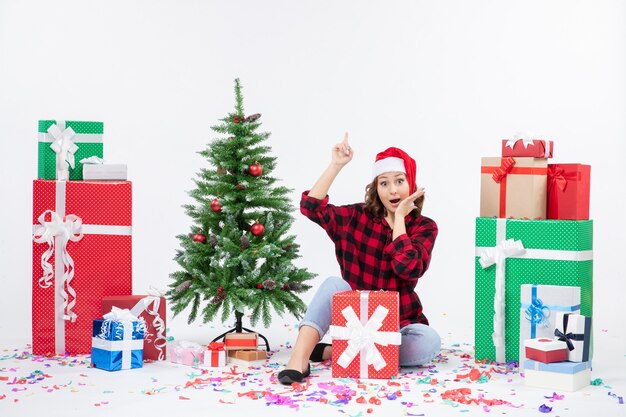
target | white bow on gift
x=92, y=160
x=524, y=137
x=362, y=338
x=59, y=231
x=65, y=148
x=497, y=256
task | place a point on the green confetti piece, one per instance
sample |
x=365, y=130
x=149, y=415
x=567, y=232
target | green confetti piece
x=597, y=381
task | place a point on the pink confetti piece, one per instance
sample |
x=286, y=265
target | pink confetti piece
x=180, y=397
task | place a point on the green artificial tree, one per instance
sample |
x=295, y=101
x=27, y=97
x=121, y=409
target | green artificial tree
x=239, y=255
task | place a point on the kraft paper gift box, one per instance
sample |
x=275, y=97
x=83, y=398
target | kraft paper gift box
x=539, y=307
x=575, y=330
x=559, y=376
x=247, y=355
x=186, y=353
x=241, y=341
x=513, y=187
x=82, y=252
x=117, y=341
x=63, y=144
x=545, y=350
x=365, y=334
x=150, y=308
x=568, y=191
x=104, y=172
x=215, y=355
x=535, y=148
x=512, y=252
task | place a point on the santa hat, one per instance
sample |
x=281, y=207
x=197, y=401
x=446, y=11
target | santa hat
x=396, y=160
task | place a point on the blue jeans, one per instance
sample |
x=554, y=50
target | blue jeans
x=420, y=343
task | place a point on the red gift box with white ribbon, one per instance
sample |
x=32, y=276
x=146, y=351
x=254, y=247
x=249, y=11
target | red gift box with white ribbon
x=151, y=308
x=215, y=355
x=365, y=334
x=82, y=252
x=526, y=146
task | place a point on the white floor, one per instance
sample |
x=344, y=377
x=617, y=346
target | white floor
x=31, y=386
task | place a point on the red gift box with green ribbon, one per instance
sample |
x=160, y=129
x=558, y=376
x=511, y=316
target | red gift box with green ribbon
x=568, y=191
x=82, y=252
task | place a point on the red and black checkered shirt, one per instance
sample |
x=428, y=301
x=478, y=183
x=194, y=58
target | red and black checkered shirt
x=368, y=257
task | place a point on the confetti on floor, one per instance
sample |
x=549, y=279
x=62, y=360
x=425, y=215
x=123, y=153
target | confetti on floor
x=454, y=381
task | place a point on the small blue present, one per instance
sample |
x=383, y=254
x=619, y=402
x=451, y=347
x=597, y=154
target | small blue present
x=117, y=341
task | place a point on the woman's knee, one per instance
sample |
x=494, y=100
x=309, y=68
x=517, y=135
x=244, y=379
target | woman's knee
x=420, y=344
x=335, y=284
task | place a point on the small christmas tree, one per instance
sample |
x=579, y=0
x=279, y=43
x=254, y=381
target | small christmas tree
x=238, y=255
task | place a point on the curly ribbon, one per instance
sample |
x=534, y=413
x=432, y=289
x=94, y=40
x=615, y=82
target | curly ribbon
x=498, y=256
x=151, y=304
x=363, y=335
x=506, y=165
x=64, y=147
x=126, y=337
x=59, y=231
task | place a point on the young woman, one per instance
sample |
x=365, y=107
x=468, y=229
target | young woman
x=382, y=244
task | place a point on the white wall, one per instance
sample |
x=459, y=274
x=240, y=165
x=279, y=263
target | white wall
x=445, y=80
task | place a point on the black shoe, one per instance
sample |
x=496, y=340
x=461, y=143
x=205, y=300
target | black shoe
x=318, y=352
x=289, y=376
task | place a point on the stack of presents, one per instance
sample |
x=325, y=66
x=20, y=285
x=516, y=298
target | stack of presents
x=82, y=257
x=534, y=265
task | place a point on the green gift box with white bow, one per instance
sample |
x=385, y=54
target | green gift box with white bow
x=512, y=252
x=63, y=144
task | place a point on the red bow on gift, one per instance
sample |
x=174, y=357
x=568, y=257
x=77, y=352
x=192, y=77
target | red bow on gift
x=216, y=346
x=505, y=167
x=557, y=177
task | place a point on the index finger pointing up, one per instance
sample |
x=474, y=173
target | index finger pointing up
x=345, y=138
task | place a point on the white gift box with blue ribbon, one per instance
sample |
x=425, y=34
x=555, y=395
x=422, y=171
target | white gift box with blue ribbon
x=117, y=341
x=539, y=307
x=558, y=376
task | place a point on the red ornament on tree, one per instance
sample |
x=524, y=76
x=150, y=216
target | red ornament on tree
x=199, y=237
x=241, y=187
x=259, y=286
x=215, y=205
x=257, y=229
x=255, y=169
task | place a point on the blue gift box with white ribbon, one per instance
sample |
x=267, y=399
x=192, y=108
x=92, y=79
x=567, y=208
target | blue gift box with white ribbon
x=117, y=344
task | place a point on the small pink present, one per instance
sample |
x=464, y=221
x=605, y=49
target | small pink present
x=187, y=353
